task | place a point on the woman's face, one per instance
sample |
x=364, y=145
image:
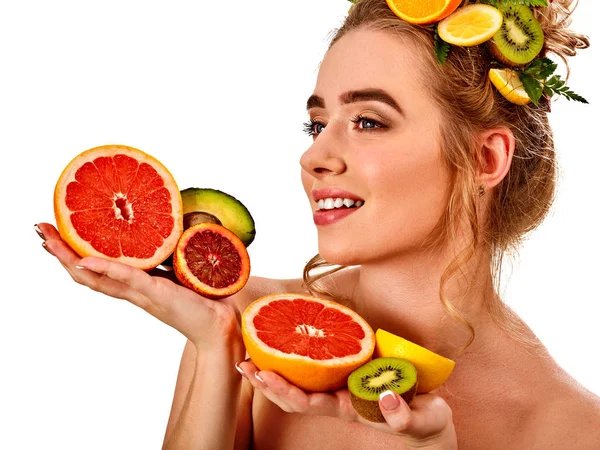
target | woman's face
x=376, y=140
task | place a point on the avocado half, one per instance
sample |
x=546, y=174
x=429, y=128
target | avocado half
x=227, y=210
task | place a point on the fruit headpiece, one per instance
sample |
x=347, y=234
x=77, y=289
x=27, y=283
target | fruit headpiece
x=510, y=31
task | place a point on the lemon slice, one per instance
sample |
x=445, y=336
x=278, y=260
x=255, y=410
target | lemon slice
x=432, y=369
x=508, y=83
x=471, y=25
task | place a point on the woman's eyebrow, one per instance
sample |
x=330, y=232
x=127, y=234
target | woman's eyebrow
x=378, y=95
x=314, y=101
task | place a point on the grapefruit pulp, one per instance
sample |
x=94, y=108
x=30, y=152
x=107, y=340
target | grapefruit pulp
x=119, y=203
x=211, y=260
x=313, y=343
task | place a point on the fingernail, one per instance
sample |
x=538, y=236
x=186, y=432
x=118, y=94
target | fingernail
x=46, y=248
x=259, y=379
x=39, y=232
x=239, y=369
x=79, y=267
x=389, y=401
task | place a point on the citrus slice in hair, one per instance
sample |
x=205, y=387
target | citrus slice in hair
x=313, y=343
x=423, y=11
x=432, y=369
x=211, y=260
x=508, y=83
x=119, y=203
x=471, y=25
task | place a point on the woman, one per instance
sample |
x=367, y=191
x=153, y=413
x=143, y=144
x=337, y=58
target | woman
x=451, y=175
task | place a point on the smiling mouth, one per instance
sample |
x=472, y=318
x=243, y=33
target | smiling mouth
x=338, y=203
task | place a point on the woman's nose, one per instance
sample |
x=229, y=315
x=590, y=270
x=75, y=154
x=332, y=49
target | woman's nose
x=323, y=157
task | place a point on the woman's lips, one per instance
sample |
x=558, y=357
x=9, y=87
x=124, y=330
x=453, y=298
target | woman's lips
x=329, y=216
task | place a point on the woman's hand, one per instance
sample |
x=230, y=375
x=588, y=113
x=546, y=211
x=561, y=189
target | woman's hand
x=427, y=423
x=206, y=323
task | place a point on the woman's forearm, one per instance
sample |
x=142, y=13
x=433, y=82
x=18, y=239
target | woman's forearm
x=208, y=418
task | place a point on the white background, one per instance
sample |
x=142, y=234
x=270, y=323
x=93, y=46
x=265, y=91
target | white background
x=216, y=91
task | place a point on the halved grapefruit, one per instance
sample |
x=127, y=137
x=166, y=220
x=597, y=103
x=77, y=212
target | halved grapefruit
x=119, y=203
x=211, y=260
x=311, y=342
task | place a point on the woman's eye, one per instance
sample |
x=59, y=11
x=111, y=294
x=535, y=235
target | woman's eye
x=365, y=123
x=313, y=128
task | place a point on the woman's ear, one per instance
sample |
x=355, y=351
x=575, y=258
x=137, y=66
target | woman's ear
x=497, y=146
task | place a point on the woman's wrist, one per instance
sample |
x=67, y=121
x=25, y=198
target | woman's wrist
x=228, y=347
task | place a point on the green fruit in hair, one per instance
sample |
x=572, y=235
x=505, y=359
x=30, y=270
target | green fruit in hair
x=520, y=38
x=379, y=375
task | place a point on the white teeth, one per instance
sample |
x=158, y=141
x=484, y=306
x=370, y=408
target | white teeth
x=332, y=203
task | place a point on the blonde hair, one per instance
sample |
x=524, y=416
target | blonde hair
x=470, y=104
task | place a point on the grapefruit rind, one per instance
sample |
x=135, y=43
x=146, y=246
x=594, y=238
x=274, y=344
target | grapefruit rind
x=188, y=279
x=302, y=371
x=83, y=248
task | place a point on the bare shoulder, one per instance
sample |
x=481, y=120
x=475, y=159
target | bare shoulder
x=257, y=287
x=570, y=419
x=338, y=284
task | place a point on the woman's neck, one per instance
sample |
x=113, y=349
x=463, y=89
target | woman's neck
x=402, y=296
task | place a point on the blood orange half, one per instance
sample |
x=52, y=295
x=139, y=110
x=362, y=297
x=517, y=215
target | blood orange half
x=313, y=343
x=119, y=203
x=211, y=260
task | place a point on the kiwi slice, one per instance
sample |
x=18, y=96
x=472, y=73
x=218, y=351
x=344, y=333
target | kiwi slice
x=520, y=38
x=379, y=375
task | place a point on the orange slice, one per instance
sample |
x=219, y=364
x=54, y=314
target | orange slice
x=471, y=25
x=508, y=83
x=423, y=11
x=313, y=343
x=432, y=369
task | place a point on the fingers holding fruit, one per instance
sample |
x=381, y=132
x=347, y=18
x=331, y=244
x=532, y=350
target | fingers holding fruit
x=120, y=215
x=191, y=314
x=54, y=244
x=427, y=421
x=291, y=398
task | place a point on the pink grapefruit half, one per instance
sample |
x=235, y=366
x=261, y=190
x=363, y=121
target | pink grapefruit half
x=119, y=203
x=312, y=342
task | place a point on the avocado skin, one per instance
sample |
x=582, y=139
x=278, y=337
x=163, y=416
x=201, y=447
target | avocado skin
x=229, y=210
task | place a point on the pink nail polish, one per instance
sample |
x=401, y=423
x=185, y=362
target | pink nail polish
x=389, y=401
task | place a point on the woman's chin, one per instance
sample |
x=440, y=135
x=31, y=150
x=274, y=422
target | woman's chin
x=340, y=255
